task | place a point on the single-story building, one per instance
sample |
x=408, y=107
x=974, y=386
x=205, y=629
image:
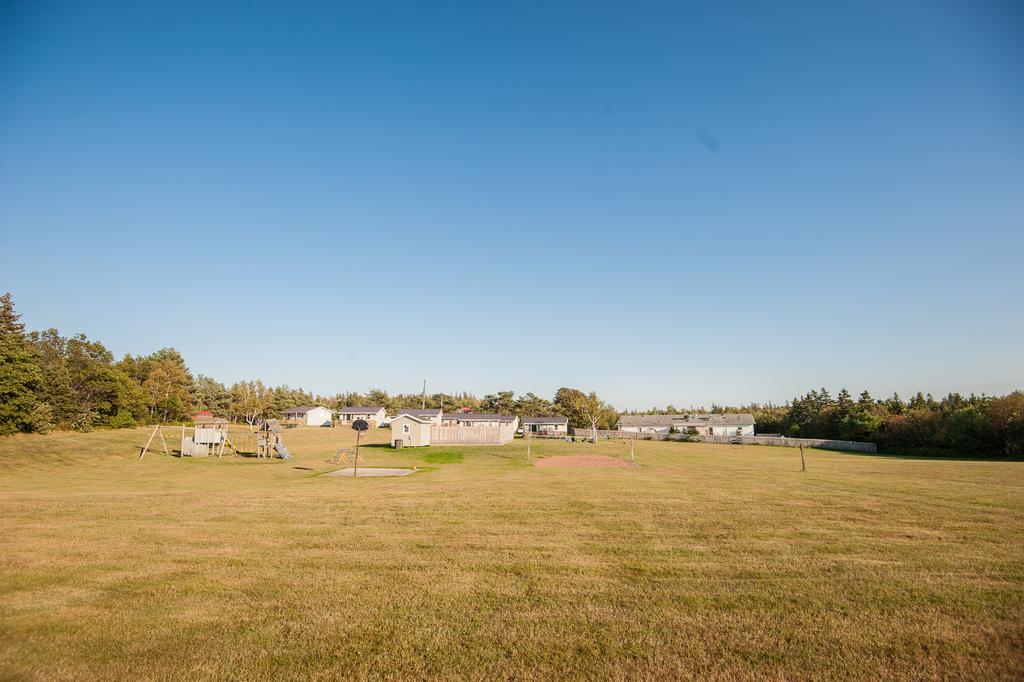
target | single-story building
x=413, y=428
x=375, y=415
x=310, y=415
x=432, y=414
x=410, y=431
x=730, y=424
x=546, y=425
x=479, y=419
x=646, y=423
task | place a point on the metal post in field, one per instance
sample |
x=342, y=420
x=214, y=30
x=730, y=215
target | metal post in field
x=359, y=426
x=803, y=465
x=355, y=466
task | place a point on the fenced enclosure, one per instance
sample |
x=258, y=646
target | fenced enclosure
x=778, y=441
x=471, y=435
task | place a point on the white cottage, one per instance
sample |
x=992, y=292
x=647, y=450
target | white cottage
x=374, y=415
x=309, y=414
x=730, y=424
x=431, y=414
x=548, y=426
x=479, y=419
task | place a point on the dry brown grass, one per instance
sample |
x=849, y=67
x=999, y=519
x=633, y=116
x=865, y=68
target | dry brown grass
x=701, y=561
x=581, y=461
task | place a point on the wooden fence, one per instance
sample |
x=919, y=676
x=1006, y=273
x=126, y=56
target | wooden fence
x=820, y=443
x=471, y=435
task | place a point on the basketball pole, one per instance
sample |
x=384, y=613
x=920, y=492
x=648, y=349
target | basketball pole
x=355, y=466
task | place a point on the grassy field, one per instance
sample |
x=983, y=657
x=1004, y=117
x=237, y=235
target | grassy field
x=700, y=561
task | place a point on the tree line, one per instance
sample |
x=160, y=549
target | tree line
x=955, y=424
x=48, y=381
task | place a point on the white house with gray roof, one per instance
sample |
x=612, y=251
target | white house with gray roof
x=431, y=414
x=376, y=415
x=551, y=426
x=479, y=419
x=730, y=424
x=311, y=415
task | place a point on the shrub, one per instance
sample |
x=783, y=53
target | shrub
x=40, y=419
x=122, y=420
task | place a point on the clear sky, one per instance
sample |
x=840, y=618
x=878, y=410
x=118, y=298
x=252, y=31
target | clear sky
x=667, y=203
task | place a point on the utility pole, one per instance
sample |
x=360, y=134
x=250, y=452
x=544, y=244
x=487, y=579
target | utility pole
x=424, y=406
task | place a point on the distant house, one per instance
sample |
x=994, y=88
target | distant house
x=410, y=430
x=433, y=414
x=413, y=428
x=731, y=424
x=546, y=425
x=479, y=419
x=309, y=415
x=646, y=423
x=375, y=415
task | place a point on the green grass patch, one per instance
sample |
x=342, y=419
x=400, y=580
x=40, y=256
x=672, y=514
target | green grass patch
x=443, y=457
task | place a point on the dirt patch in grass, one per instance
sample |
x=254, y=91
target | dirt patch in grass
x=587, y=461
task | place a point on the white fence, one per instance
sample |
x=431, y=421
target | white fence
x=820, y=443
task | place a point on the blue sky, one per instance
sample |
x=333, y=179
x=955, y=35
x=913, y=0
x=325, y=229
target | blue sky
x=667, y=203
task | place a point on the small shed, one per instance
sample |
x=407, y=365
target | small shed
x=410, y=431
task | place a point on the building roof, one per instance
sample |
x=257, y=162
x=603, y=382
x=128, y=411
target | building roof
x=730, y=419
x=477, y=417
x=301, y=409
x=647, y=419
x=429, y=412
x=545, y=420
x=419, y=419
x=359, y=410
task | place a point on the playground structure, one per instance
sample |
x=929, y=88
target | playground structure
x=210, y=436
x=342, y=456
x=268, y=441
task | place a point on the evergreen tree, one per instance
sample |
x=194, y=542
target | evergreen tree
x=212, y=395
x=895, y=404
x=20, y=377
